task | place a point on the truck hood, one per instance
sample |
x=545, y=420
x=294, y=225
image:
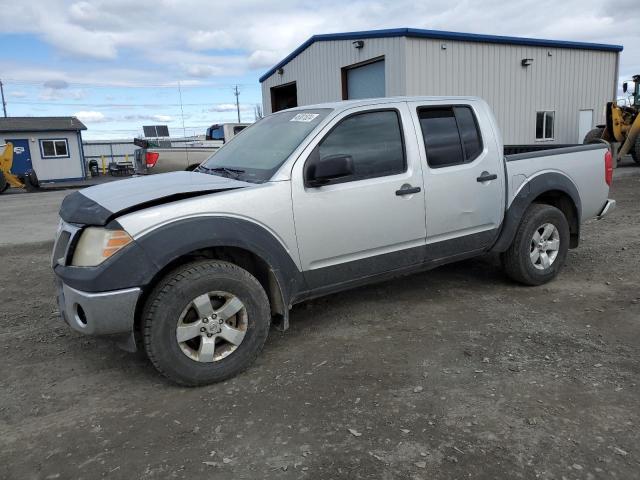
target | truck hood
x=102, y=203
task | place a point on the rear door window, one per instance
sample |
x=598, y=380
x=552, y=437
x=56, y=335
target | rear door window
x=451, y=135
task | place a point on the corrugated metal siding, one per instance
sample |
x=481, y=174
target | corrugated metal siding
x=566, y=82
x=317, y=71
x=561, y=80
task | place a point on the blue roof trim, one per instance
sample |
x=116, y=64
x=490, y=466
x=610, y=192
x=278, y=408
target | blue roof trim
x=440, y=35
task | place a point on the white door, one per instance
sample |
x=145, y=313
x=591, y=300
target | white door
x=464, y=177
x=341, y=225
x=585, y=123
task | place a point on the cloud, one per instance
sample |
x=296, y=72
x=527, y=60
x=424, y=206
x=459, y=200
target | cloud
x=263, y=58
x=18, y=94
x=254, y=35
x=56, y=84
x=90, y=116
x=155, y=118
x=228, y=107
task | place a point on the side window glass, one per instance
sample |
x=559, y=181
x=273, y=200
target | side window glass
x=469, y=133
x=441, y=137
x=451, y=135
x=372, y=139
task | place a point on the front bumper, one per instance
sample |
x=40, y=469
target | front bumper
x=103, y=313
x=609, y=206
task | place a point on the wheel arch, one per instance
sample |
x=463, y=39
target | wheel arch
x=237, y=241
x=550, y=188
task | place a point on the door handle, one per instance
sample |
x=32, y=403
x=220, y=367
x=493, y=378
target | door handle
x=407, y=189
x=486, y=176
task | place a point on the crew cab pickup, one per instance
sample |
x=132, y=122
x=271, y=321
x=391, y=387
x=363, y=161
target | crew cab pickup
x=196, y=266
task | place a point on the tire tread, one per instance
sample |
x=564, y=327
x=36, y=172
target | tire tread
x=164, y=288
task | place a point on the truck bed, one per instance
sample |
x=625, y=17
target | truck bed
x=583, y=164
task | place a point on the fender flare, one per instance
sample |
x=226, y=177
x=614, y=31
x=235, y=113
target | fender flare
x=139, y=264
x=532, y=189
x=168, y=243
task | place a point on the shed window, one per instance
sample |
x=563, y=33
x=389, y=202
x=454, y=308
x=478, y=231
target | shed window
x=54, y=148
x=544, y=125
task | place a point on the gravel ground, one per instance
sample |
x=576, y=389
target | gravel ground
x=454, y=373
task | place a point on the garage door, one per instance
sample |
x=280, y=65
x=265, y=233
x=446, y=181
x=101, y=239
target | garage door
x=366, y=81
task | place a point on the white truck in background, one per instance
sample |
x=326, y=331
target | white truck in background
x=186, y=155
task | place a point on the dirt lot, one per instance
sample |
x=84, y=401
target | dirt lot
x=455, y=373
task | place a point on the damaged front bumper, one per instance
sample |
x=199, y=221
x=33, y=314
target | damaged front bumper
x=103, y=313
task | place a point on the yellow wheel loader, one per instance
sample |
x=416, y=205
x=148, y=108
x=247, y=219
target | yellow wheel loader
x=27, y=181
x=622, y=124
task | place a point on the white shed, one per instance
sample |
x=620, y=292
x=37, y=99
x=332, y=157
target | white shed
x=50, y=146
x=540, y=90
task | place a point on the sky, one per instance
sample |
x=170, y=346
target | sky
x=121, y=64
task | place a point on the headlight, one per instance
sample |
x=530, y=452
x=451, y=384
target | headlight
x=97, y=244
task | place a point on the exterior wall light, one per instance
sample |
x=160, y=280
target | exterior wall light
x=280, y=71
x=358, y=44
x=526, y=62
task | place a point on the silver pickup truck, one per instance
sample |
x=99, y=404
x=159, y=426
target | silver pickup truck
x=196, y=266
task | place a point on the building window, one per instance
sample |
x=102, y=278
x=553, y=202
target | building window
x=54, y=148
x=451, y=135
x=544, y=125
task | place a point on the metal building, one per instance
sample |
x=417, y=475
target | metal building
x=540, y=90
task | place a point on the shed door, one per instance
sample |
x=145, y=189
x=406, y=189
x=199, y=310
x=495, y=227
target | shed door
x=585, y=122
x=366, y=81
x=21, y=157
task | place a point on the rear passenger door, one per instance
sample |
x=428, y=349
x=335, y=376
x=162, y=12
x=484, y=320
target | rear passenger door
x=464, y=177
x=372, y=221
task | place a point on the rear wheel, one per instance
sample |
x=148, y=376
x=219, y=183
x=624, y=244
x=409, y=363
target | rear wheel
x=205, y=322
x=539, y=249
x=593, y=136
x=31, y=183
x=3, y=182
x=635, y=151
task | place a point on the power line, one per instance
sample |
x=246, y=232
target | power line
x=38, y=83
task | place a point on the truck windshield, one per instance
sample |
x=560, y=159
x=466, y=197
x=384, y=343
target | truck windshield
x=262, y=148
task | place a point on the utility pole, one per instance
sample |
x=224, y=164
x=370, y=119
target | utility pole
x=236, y=92
x=4, y=104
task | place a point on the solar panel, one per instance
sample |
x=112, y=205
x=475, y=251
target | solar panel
x=156, y=130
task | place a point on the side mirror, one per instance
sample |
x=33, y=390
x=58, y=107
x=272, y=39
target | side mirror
x=625, y=87
x=322, y=171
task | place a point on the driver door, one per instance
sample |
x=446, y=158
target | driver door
x=373, y=220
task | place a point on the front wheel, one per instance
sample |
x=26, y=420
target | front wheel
x=205, y=322
x=539, y=249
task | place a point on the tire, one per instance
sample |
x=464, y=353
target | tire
x=635, y=151
x=31, y=183
x=3, y=183
x=172, y=305
x=518, y=260
x=593, y=136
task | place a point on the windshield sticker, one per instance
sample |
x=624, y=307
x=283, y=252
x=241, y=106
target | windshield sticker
x=304, y=117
